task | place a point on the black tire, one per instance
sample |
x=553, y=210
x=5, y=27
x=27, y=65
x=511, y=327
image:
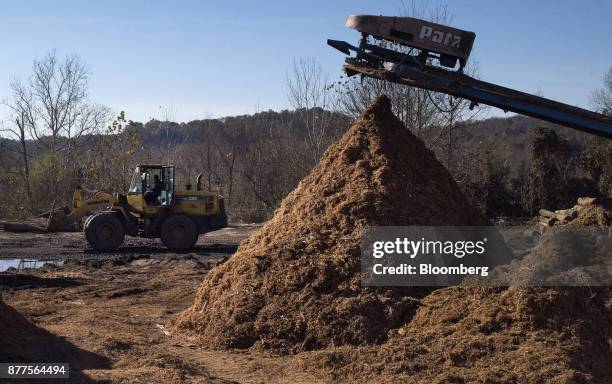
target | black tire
x=104, y=231
x=179, y=233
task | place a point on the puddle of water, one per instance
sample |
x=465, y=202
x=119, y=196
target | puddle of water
x=26, y=263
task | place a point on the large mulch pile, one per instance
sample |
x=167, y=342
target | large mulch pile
x=295, y=284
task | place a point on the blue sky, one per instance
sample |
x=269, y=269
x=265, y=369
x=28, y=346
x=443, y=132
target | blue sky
x=202, y=59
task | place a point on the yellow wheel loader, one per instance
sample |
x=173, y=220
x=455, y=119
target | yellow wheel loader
x=177, y=216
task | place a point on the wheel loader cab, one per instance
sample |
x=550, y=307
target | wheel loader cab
x=142, y=181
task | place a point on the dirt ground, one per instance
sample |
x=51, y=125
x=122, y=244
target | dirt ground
x=294, y=288
x=103, y=314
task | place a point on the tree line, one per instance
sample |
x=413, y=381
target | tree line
x=55, y=137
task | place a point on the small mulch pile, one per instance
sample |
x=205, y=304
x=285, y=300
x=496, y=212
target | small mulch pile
x=488, y=335
x=587, y=211
x=23, y=342
x=575, y=249
x=568, y=255
x=599, y=212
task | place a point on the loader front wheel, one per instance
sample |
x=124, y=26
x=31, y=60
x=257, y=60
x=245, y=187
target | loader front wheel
x=104, y=231
x=179, y=233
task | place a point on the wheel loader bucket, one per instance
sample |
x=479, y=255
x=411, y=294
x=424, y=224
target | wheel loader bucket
x=60, y=220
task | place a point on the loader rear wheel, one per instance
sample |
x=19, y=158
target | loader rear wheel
x=179, y=233
x=104, y=231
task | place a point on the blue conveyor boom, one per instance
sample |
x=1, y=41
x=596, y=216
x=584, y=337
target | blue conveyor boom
x=412, y=73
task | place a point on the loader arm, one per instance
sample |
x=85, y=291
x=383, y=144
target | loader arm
x=98, y=201
x=61, y=219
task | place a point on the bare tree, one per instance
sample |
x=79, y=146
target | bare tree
x=58, y=102
x=451, y=112
x=308, y=94
x=53, y=104
x=602, y=98
x=86, y=118
x=598, y=154
x=168, y=117
x=19, y=117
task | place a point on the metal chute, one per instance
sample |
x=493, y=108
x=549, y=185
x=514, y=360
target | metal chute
x=413, y=66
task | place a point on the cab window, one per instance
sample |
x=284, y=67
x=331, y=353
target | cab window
x=136, y=184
